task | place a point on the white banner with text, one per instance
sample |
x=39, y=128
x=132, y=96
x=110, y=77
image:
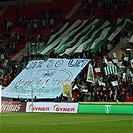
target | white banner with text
x=44, y=78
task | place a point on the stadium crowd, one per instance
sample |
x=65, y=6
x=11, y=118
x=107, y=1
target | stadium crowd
x=105, y=8
x=82, y=90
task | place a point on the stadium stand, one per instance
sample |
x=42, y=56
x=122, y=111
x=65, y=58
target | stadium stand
x=23, y=23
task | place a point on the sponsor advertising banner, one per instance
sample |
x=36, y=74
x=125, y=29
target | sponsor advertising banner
x=52, y=107
x=13, y=107
x=105, y=109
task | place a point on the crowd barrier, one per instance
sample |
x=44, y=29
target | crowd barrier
x=83, y=107
x=106, y=108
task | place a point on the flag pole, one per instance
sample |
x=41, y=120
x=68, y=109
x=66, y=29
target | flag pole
x=32, y=97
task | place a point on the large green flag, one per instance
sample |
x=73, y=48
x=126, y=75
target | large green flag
x=82, y=35
x=78, y=39
x=55, y=36
x=120, y=25
x=81, y=40
x=94, y=34
x=70, y=37
x=108, y=34
x=52, y=44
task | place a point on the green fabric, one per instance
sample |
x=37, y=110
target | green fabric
x=1, y=71
x=111, y=31
x=86, y=35
x=59, y=36
x=61, y=48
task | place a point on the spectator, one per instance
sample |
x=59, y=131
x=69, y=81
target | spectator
x=48, y=18
x=35, y=26
x=122, y=97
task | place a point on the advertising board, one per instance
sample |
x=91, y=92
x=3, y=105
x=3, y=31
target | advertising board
x=52, y=107
x=105, y=109
x=13, y=106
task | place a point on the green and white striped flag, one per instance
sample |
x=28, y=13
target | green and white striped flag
x=70, y=38
x=101, y=37
x=82, y=35
x=108, y=34
x=74, y=43
x=94, y=34
x=111, y=70
x=56, y=42
x=85, y=37
x=119, y=26
x=55, y=37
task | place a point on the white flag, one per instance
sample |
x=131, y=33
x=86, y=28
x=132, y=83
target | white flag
x=97, y=70
x=124, y=75
x=131, y=39
x=114, y=83
x=120, y=65
x=131, y=74
x=90, y=74
x=115, y=61
x=126, y=58
x=107, y=62
x=131, y=62
x=75, y=87
x=115, y=56
x=101, y=83
x=84, y=90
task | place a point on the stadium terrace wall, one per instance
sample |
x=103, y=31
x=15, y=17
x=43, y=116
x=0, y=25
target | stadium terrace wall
x=106, y=108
